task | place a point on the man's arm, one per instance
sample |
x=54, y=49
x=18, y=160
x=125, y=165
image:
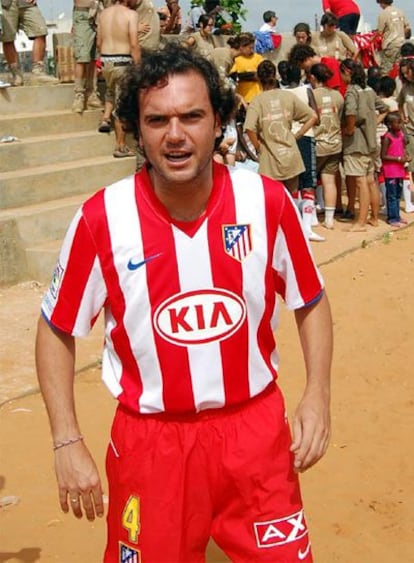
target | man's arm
x=133, y=38
x=99, y=33
x=174, y=10
x=326, y=6
x=348, y=44
x=349, y=125
x=76, y=472
x=254, y=139
x=311, y=421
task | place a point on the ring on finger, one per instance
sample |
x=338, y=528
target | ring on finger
x=74, y=499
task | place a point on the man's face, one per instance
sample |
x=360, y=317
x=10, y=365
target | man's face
x=178, y=129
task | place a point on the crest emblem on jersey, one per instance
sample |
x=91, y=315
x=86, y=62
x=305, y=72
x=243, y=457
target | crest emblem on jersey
x=56, y=280
x=237, y=241
x=128, y=554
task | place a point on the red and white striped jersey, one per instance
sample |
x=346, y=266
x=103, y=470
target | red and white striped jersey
x=190, y=308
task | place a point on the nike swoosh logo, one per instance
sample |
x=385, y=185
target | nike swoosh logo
x=135, y=265
x=305, y=552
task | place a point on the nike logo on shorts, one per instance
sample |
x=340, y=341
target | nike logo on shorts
x=304, y=553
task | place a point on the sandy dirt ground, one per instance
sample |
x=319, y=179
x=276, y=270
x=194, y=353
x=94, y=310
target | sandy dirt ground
x=359, y=499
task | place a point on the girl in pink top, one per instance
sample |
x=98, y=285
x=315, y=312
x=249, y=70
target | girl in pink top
x=394, y=157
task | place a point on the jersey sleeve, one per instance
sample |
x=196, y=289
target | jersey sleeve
x=297, y=277
x=77, y=291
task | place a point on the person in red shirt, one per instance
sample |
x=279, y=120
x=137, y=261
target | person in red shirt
x=347, y=12
x=186, y=259
x=305, y=57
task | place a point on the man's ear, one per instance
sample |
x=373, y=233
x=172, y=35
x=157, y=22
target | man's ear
x=217, y=126
x=139, y=140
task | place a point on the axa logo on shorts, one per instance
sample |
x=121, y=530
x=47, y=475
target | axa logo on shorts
x=198, y=317
x=280, y=531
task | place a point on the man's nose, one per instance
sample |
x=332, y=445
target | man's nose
x=175, y=130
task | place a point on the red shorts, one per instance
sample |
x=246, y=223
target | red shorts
x=224, y=473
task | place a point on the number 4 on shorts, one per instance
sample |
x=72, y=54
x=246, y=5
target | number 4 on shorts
x=131, y=518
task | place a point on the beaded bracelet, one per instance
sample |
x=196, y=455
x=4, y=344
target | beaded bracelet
x=58, y=445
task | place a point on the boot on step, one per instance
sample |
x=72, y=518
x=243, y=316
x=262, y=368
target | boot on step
x=78, y=105
x=39, y=75
x=16, y=75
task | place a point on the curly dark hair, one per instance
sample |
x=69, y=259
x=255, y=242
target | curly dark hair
x=154, y=69
x=300, y=53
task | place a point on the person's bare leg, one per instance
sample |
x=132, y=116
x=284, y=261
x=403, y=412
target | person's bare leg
x=39, y=49
x=12, y=58
x=90, y=71
x=361, y=183
x=92, y=99
x=39, y=73
x=106, y=117
x=121, y=149
x=338, y=185
x=374, y=195
x=10, y=53
x=292, y=184
x=119, y=134
x=79, y=88
x=351, y=188
x=79, y=72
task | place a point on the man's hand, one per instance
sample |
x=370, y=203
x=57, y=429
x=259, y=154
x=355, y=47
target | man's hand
x=78, y=481
x=144, y=27
x=311, y=429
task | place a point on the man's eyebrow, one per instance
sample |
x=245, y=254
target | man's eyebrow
x=191, y=111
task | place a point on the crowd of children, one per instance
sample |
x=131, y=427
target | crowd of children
x=362, y=136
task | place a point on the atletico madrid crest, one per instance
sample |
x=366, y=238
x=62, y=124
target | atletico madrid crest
x=128, y=554
x=237, y=241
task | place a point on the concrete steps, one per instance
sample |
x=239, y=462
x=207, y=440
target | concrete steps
x=54, y=149
x=27, y=125
x=34, y=222
x=35, y=99
x=58, y=160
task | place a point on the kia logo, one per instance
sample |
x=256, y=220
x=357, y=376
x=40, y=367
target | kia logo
x=198, y=317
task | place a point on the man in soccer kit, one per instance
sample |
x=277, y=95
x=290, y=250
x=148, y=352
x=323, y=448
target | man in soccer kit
x=186, y=258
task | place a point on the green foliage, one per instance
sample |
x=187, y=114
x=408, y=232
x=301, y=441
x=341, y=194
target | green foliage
x=229, y=19
x=236, y=11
